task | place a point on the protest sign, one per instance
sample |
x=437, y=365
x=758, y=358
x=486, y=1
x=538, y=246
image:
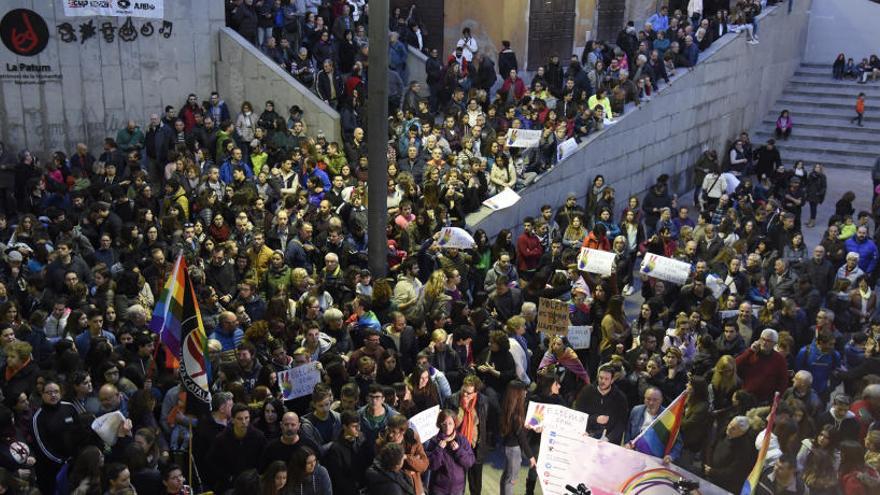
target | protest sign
x=665, y=268
x=523, y=138
x=299, y=381
x=579, y=336
x=552, y=317
x=553, y=416
x=732, y=182
x=505, y=199
x=425, y=423
x=596, y=261
x=565, y=149
x=106, y=426
x=455, y=237
x=611, y=469
x=153, y=9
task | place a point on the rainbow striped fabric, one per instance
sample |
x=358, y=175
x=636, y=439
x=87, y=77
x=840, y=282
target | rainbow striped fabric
x=659, y=437
x=752, y=481
x=168, y=314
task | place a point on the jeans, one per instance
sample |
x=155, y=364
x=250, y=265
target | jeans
x=813, y=206
x=263, y=33
x=512, y=461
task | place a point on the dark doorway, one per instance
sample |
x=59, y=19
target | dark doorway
x=551, y=30
x=609, y=20
x=430, y=14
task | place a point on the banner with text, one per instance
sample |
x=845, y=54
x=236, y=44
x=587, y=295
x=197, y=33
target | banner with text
x=554, y=416
x=552, y=317
x=579, y=336
x=665, y=268
x=505, y=199
x=153, y=9
x=299, y=381
x=455, y=237
x=596, y=261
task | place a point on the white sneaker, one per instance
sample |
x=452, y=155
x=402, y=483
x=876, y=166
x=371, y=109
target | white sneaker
x=628, y=290
x=752, y=42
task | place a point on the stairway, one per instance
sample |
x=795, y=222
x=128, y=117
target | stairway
x=821, y=108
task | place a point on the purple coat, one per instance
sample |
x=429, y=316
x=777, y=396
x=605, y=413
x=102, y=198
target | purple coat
x=448, y=467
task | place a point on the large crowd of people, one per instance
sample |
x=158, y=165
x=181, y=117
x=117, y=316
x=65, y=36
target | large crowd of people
x=271, y=220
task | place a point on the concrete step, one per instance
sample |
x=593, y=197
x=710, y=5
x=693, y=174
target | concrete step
x=850, y=91
x=828, y=148
x=802, y=110
x=809, y=66
x=829, y=160
x=825, y=135
x=808, y=92
x=844, y=84
x=830, y=102
x=834, y=125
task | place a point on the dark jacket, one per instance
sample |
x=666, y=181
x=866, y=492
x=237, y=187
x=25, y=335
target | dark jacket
x=231, y=456
x=383, y=482
x=613, y=404
x=345, y=462
x=731, y=461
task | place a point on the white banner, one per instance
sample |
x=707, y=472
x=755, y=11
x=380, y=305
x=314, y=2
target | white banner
x=579, y=336
x=505, y=199
x=611, y=469
x=565, y=149
x=299, y=381
x=596, y=261
x=665, y=268
x=152, y=9
x=523, y=138
x=455, y=237
x=425, y=423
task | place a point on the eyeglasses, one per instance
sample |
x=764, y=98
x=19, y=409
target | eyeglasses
x=377, y=397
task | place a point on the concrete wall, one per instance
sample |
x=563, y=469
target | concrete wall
x=415, y=62
x=842, y=26
x=729, y=90
x=87, y=89
x=244, y=73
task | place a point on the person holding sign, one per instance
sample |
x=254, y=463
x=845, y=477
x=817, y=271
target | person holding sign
x=415, y=461
x=450, y=456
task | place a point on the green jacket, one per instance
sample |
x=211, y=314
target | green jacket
x=129, y=141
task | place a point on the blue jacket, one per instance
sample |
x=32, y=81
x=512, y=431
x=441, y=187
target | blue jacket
x=83, y=341
x=659, y=22
x=821, y=365
x=867, y=251
x=633, y=428
x=227, y=341
x=226, y=171
x=692, y=53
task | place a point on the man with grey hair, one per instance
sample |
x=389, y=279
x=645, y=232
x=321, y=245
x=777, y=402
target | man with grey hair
x=802, y=389
x=333, y=326
x=733, y=456
x=850, y=269
x=764, y=370
x=867, y=410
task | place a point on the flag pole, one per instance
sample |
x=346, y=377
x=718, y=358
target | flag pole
x=190, y=452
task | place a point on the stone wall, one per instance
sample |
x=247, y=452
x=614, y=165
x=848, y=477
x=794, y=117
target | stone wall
x=244, y=73
x=84, y=87
x=729, y=90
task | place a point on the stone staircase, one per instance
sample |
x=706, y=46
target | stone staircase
x=821, y=108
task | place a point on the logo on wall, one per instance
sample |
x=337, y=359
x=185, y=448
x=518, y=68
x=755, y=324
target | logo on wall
x=24, y=32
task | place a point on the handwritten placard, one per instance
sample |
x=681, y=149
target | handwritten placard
x=299, y=381
x=579, y=336
x=596, y=261
x=664, y=268
x=425, y=423
x=552, y=317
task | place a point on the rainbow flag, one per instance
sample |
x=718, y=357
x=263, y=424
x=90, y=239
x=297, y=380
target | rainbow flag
x=659, y=437
x=752, y=481
x=168, y=313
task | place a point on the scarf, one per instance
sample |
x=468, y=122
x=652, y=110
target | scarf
x=468, y=414
x=569, y=360
x=10, y=371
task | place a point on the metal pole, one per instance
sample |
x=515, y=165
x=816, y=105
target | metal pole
x=377, y=137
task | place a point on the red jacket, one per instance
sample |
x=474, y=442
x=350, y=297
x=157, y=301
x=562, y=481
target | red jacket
x=592, y=242
x=519, y=88
x=762, y=374
x=528, y=252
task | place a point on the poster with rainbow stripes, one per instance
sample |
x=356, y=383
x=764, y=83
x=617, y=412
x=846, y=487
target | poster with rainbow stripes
x=569, y=457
